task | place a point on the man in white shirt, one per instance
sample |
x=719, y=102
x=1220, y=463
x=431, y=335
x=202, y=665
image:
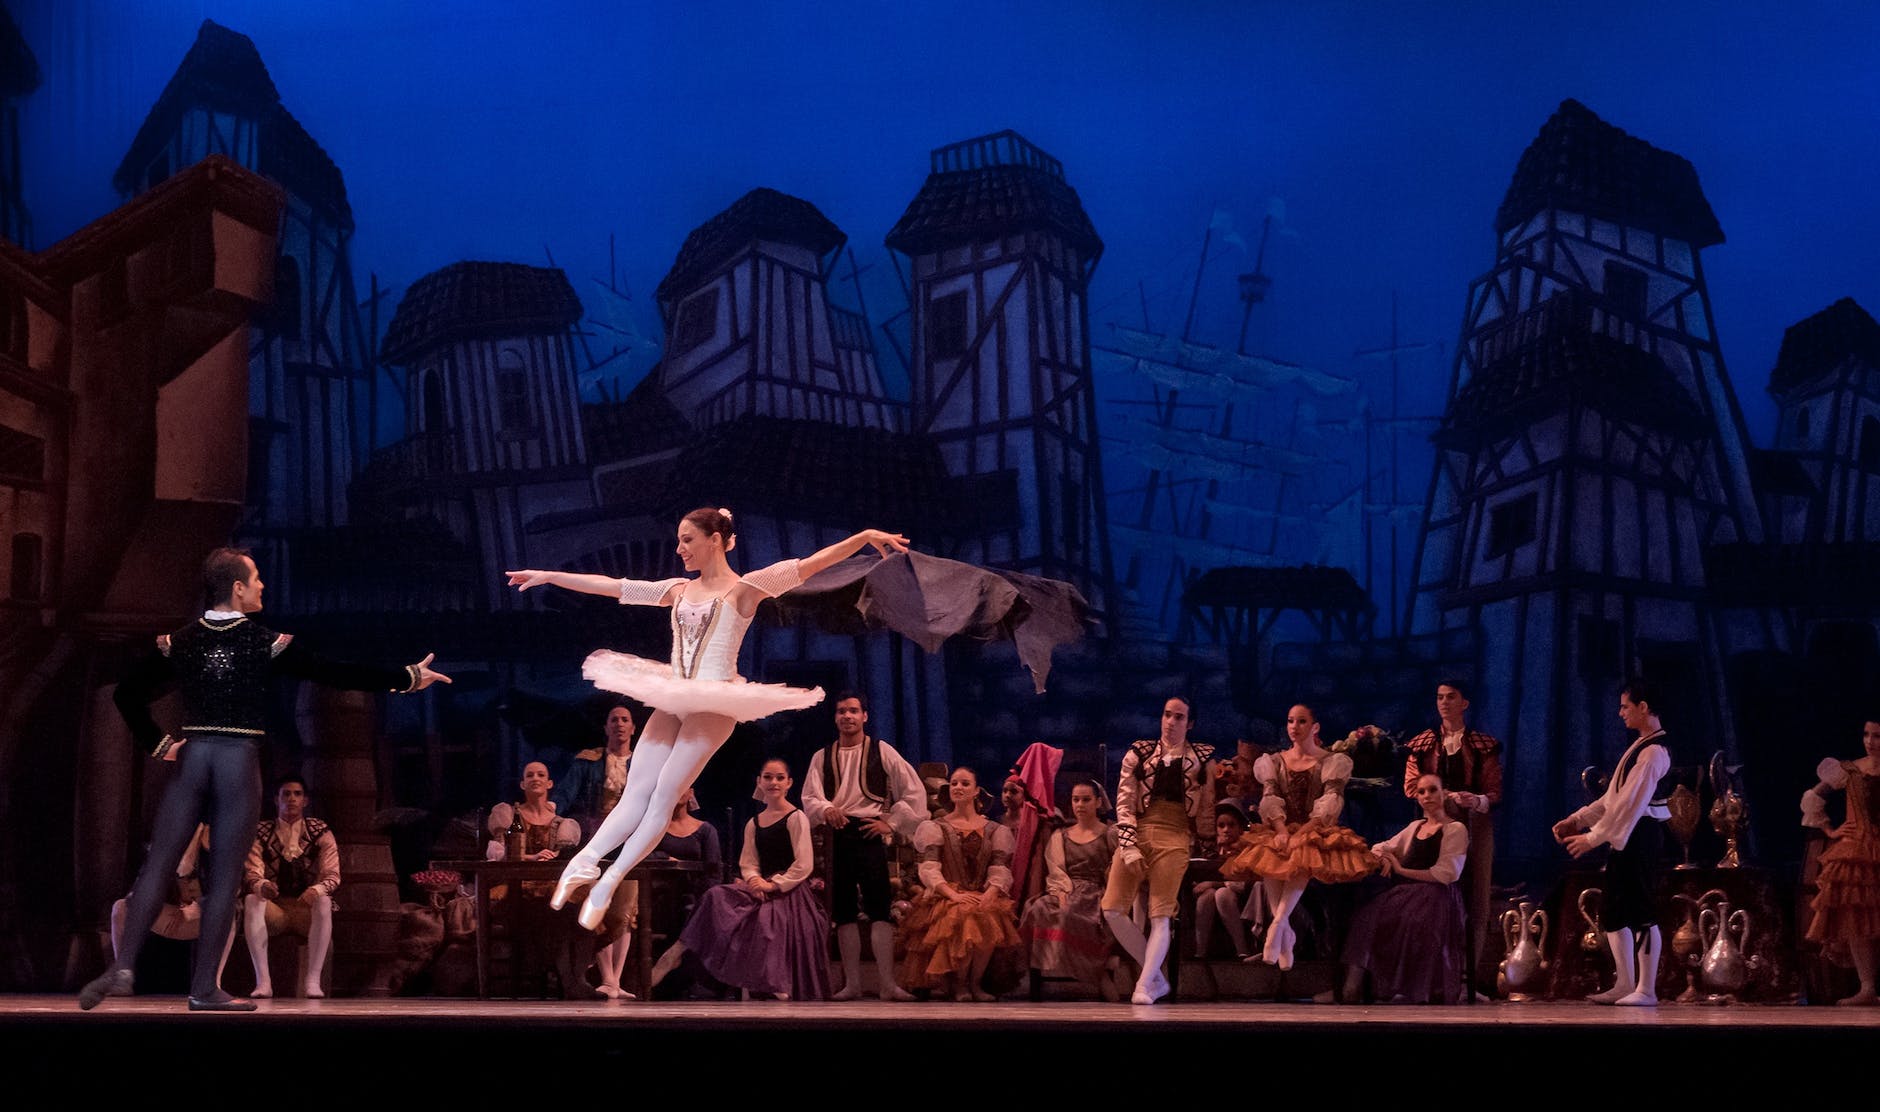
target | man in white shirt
x=293, y=870
x=1629, y=817
x=865, y=792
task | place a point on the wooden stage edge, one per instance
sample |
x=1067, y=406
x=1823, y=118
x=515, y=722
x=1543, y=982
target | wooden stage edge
x=380, y=1048
x=365, y=1015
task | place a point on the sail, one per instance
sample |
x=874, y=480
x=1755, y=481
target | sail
x=1199, y=368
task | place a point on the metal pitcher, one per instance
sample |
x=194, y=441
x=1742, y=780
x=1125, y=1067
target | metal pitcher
x=1524, y=928
x=1726, y=934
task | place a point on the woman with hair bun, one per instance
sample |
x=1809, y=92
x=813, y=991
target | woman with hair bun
x=1298, y=838
x=966, y=914
x=697, y=696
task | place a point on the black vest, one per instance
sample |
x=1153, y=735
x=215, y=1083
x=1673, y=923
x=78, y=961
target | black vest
x=1659, y=796
x=222, y=675
x=874, y=773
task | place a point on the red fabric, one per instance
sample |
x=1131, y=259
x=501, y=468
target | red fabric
x=1036, y=772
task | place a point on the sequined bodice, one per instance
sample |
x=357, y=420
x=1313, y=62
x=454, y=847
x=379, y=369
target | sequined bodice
x=706, y=637
x=221, y=674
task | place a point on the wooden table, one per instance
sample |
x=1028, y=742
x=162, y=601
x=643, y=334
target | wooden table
x=488, y=873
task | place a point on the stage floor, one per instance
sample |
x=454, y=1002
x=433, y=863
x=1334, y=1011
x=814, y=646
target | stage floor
x=405, y=1047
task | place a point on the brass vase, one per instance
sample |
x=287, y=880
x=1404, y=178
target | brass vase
x=1686, y=811
x=1730, y=816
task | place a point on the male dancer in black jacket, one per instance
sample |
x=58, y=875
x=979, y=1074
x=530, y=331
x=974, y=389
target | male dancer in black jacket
x=222, y=665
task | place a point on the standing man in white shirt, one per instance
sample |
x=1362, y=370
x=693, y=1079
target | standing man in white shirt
x=865, y=792
x=1630, y=818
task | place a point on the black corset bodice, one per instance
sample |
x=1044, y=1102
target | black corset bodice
x=775, y=853
x=221, y=672
x=1424, y=852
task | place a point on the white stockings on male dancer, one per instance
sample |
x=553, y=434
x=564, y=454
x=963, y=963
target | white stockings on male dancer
x=1148, y=953
x=669, y=757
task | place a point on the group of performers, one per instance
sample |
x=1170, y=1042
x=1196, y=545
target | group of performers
x=767, y=932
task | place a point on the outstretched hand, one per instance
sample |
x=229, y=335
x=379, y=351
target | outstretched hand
x=523, y=580
x=426, y=676
x=884, y=542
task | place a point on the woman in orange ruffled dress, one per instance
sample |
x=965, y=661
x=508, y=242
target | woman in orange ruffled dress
x=1298, y=838
x=966, y=914
x=1847, y=905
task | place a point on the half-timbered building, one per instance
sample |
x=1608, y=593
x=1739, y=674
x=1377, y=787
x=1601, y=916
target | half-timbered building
x=312, y=359
x=1001, y=254
x=1592, y=449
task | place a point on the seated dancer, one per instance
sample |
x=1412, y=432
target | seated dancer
x=221, y=665
x=1630, y=818
x=1222, y=900
x=1162, y=792
x=1298, y=838
x=766, y=932
x=1064, y=926
x=535, y=932
x=180, y=919
x=1846, y=920
x=292, y=873
x=588, y=793
x=966, y=914
x=1410, y=939
x=546, y=834
x=697, y=697
x=865, y=793
x=1469, y=761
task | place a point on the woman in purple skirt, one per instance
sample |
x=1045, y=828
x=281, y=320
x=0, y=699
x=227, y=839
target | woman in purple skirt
x=767, y=932
x=1410, y=939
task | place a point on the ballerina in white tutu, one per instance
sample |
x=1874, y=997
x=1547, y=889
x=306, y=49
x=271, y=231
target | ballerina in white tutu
x=697, y=697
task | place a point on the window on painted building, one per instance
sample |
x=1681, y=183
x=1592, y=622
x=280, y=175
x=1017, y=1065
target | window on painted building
x=286, y=308
x=260, y=449
x=114, y=292
x=22, y=455
x=433, y=392
x=12, y=327
x=1870, y=444
x=698, y=321
x=157, y=172
x=1598, y=650
x=28, y=555
x=1512, y=524
x=1072, y=493
x=512, y=391
x=1625, y=288
x=946, y=326
x=1801, y=424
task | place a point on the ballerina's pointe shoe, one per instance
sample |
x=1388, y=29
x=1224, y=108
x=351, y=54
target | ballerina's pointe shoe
x=1637, y=998
x=594, y=908
x=895, y=994
x=1150, y=989
x=577, y=874
x=851, y=991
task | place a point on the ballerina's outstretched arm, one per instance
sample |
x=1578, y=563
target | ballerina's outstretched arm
x=573, y=581
x=885, y=543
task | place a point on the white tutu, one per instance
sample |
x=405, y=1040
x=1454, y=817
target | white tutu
x=652, y=682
